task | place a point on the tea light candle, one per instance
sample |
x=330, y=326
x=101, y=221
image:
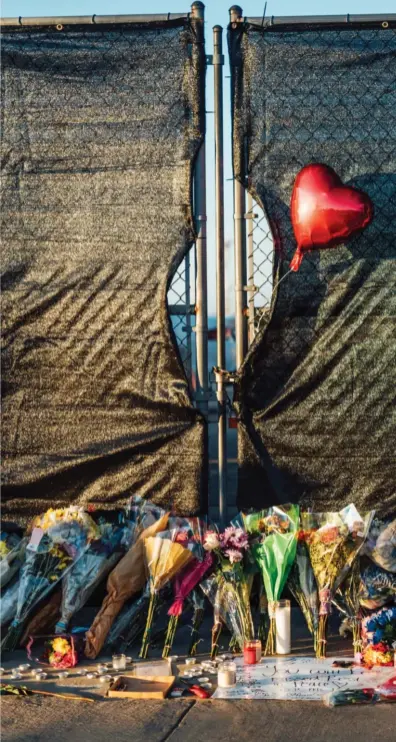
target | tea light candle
x=190, y=661
x=64, y=674
x=23, y=668
x=15, y=675
x=102, y=668
x=2, y=671
x=119, y=662
x=283, y=627
x=226, y=676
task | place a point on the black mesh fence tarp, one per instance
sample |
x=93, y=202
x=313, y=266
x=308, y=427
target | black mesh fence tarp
x=317, y=391
x=101, y=126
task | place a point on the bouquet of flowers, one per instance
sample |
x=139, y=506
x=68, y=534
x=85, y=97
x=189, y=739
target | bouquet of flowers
x=376, y=587
x=9, y=602
x=58, y=540
x=275, y=552
x=346, y=599
x=166, y=554
x=334, y=541
x=102, y=554
x=127, y=578
x=227, y=589
x=189, y=578
x=60, y=651
x=380, y=545
x=379, y=635
x=12, y=550
x=302, y=585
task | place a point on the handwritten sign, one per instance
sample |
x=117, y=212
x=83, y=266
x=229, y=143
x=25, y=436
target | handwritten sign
x=298, y=679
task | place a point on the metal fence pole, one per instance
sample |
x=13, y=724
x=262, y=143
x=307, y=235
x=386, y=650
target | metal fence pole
x=201, y=326
x=240, y=249
x=250, y=256
x=218, y=62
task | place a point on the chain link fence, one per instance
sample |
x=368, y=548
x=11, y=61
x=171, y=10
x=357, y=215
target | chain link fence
x=181, y=307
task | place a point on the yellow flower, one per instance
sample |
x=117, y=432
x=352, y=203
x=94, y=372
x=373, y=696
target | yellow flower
x=4, y=550
x=60, y=645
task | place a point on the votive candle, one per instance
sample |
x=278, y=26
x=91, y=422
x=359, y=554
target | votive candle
x=283, y=627
x=119, y=662
x=226, y=675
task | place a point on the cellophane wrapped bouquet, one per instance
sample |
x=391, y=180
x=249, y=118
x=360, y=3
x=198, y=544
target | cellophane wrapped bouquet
x=12, y=550
x=192, y=574
x=379, y=637
x=274, y=548
x=227, y=588
x=166, y=554
x=302, y=585
x=102, y=554
x=346, y=599
x=334, y=541
x=58, y=539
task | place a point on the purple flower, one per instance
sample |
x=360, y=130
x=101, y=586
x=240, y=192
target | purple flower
x=234, y=555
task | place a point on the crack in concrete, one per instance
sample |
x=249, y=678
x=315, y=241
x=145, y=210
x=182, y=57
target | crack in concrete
x=179, y=721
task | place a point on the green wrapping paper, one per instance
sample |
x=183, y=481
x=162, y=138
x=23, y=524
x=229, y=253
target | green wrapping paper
x=274, y=550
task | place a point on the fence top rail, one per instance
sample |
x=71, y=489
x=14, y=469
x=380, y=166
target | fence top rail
x=308, y=20
x=93, y=19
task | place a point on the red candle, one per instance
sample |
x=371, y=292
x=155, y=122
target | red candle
x=250, y=653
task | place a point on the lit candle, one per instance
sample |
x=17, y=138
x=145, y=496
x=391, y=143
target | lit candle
x=226, y=676
x=283, y=628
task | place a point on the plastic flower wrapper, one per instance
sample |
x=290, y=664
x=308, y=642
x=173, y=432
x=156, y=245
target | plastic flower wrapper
x=228, y=589
x=377, y=587
x=12, y=550
x=9, y=601
x=346, y=599
x=166, y=554
x=302, y=585
x=99, y=559
x=58, y=540
x=197, y=601
x=190, y=577
x=380, y=627
x=334, y=541
x=127, y=578
x=275, y=552
x=143, y=513
x=380, y=544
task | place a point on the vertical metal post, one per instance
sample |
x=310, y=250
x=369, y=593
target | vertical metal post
x=187, y=327
x=240, y=249
x=201, y=326
x=218, y=62
x=250, y=256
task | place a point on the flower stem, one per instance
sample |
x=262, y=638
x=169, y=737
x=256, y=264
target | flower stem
x=270, y=644
x=216, y=632
x=321, y=637
x=147, y=631
x=197, y=623
x=170, y=635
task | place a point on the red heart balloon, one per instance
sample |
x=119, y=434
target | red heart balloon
x=325, y=212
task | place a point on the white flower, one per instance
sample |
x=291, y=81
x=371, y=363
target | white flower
x=211, y=541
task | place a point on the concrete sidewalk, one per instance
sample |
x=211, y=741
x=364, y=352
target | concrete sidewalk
x=41, y=719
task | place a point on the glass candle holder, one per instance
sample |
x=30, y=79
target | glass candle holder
x=252, y=652
x=283, y=627
x=119, y=662
x=226, y=675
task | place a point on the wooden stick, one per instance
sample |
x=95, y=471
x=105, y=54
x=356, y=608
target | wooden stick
x=69, y=697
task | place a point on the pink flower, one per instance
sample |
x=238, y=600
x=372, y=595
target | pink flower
x=234, y=555
x=227, y=537
x=239, y=539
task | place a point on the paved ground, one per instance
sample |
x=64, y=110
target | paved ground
x=39, y=719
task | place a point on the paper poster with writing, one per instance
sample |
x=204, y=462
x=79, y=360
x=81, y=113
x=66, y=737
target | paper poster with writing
x=299, y=679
